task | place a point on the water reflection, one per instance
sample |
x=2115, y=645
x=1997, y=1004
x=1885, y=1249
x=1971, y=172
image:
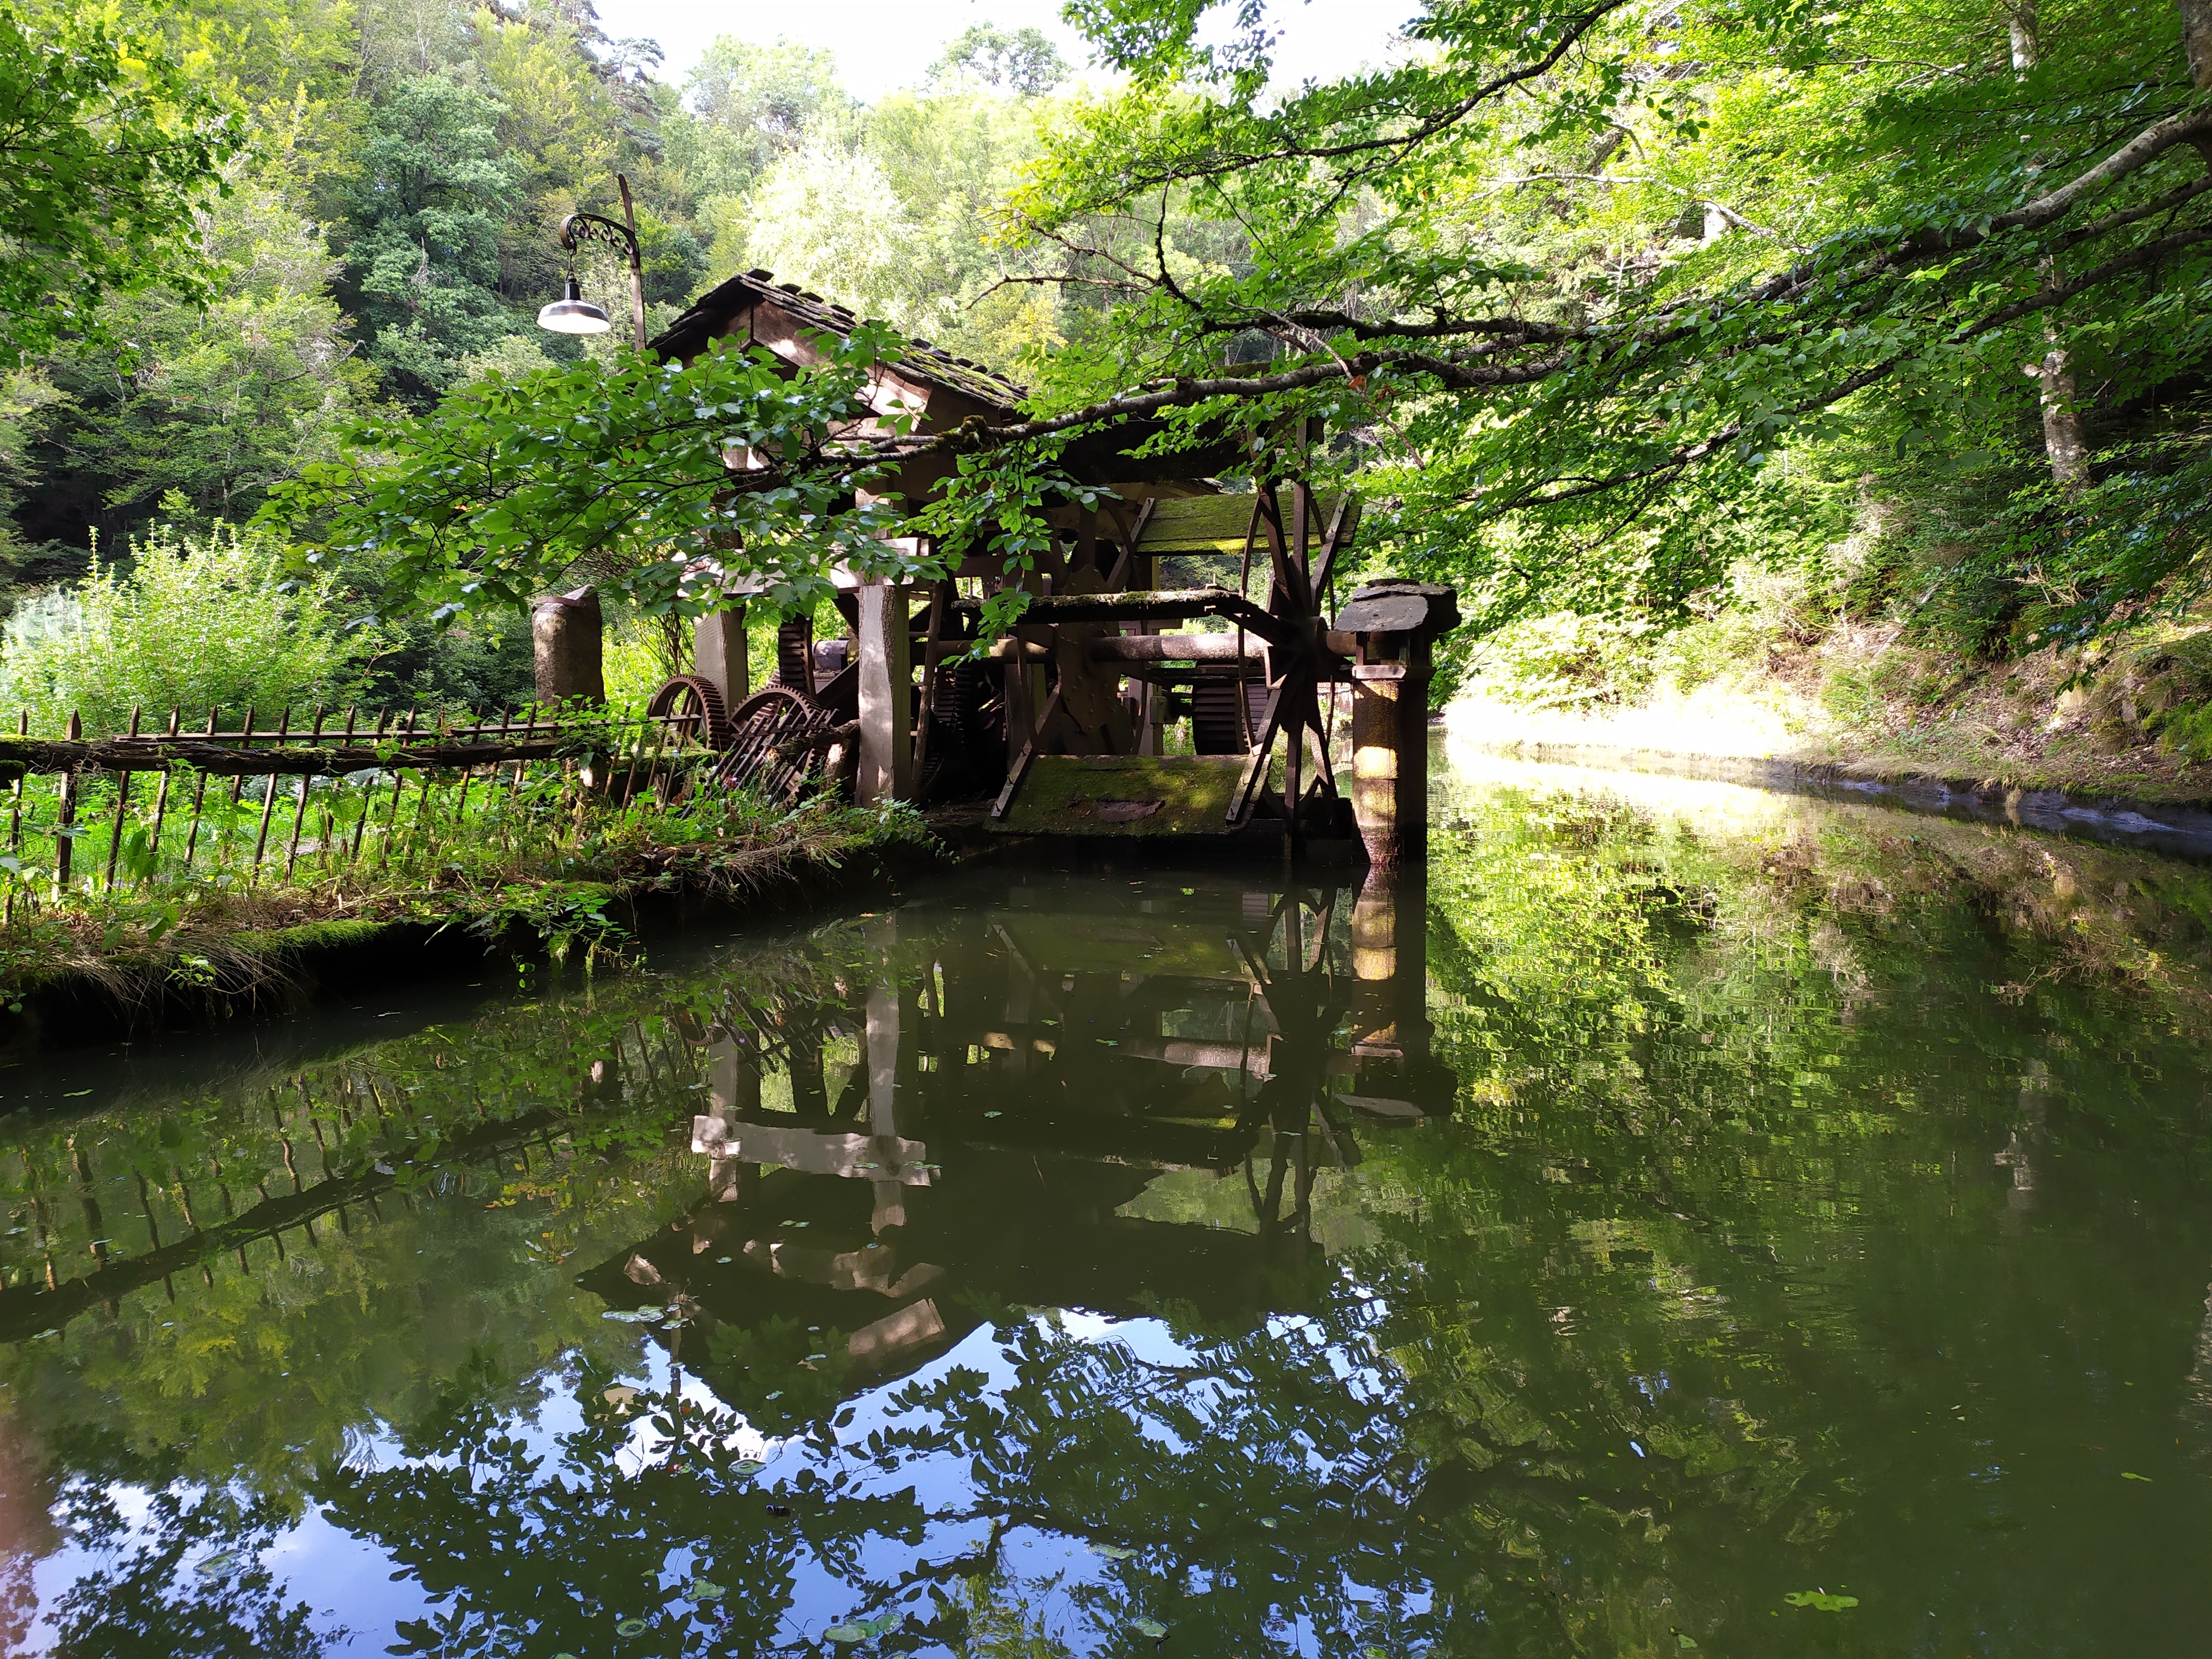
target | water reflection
x=1641, y=1218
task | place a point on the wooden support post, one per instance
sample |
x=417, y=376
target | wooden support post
x=719, y=655
x=886, y=696
x=566, y=639
x=1393, y=623
x=1390, y=748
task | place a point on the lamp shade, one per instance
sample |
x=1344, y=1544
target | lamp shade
x=572, y=313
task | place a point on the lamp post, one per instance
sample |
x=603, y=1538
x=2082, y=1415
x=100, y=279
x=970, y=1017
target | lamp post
x=572, y=313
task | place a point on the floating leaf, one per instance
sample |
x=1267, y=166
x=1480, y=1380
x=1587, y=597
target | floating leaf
x=880, y=1623
x=1686, y=1642
x=847, y=1634
x=702, y=1591
x=216, y=1563
x=1113, y=1552
x=630, y=1627
x=2129, y=1475
x=748, y=1467
x=1151, y=1627
x=1269, y=1521
x=1821, y=1600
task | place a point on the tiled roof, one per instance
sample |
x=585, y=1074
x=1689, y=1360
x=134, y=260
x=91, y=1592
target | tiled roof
x=711, y=313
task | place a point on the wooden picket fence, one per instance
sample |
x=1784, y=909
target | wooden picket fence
x=350, y=778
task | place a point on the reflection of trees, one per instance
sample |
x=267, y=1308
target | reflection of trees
x=1580, y=1386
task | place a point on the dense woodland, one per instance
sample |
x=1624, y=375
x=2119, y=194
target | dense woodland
x=1624, y=316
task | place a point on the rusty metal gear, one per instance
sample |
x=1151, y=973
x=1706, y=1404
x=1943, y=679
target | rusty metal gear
x=693, y=704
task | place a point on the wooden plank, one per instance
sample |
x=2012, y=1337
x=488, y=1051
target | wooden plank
x=1164, y=604
x=1211, y=524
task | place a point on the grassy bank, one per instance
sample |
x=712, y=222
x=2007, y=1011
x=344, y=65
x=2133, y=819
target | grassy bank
x=1781, y=678
x=540, y=867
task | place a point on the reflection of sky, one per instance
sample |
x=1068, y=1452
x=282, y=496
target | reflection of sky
x=347, y=1580
x=353, y=1583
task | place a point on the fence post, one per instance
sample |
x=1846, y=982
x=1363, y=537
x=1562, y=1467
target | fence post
x=199, y=802
x=367, y=804
x=161, y=807
x=268, y=798
x=299, y=808
x=331, y=815
x=65, y=817
x=399, y=789
x=15, y=823
x=237, y=786
x=122, y=804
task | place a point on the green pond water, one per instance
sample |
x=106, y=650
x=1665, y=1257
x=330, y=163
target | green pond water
x=1677, y=1220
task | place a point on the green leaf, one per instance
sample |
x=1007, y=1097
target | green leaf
x=1821, y=1601
x=1151, y=1627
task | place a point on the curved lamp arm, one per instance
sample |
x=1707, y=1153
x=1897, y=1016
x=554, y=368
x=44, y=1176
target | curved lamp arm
x=580, y=228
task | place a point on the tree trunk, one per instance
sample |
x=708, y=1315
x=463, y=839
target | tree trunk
x=2065, y=445
x=2196, y=42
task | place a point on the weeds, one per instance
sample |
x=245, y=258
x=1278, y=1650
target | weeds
x=112, y=880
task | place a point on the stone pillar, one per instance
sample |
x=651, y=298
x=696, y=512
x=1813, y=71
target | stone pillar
x=566, y=637
x=718, y=654
x=886, y=696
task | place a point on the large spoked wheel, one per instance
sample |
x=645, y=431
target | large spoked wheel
x=781, y=739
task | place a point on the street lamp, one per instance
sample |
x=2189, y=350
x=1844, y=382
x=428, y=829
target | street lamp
x=572, y=313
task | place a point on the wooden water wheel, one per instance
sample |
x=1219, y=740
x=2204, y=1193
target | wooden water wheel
x=1252, y=688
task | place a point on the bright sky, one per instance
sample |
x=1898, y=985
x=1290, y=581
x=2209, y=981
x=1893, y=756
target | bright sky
x=886, y=44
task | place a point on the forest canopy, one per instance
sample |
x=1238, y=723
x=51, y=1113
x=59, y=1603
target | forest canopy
x=1598, y=301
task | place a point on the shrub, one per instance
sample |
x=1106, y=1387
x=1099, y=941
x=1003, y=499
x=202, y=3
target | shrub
x=193, y=622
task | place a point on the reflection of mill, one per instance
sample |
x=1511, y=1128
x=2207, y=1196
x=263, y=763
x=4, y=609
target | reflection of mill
x=964, y=1135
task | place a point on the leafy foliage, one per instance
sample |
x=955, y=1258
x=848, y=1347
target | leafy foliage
x=205, y=622
x=109, y=144
x=513, y=485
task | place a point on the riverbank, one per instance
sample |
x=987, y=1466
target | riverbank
x=91, y=973
x=2050, y=733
